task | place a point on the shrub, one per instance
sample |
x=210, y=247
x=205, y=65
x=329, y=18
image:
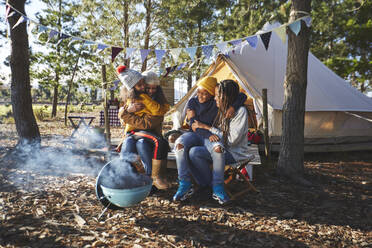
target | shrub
x=41, y=112
x=8, y=120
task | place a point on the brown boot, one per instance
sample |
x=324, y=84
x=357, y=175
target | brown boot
x=158, y=178
x=138, y=166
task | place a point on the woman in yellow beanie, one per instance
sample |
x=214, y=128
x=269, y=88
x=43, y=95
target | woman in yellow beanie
x=202, y=109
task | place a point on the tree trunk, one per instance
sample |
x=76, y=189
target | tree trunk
x=126, y=29
x=55, y=100
x=189, y=80
x=55, y=90
x=291, y=156
x=25, y=121
x=147, y=31
x=198, y=52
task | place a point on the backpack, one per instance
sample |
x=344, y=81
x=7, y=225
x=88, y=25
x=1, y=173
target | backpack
x=254, y=137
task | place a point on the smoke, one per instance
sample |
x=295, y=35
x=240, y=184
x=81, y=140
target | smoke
x=61, y=157
x=120, y=174
x=37, y=165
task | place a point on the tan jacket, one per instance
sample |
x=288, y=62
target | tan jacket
x=145, y=122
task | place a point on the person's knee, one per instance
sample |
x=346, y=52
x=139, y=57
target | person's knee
x=194, y=153
x=179, y=147
x=218, y=149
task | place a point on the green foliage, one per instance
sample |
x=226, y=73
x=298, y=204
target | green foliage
x=6, y=114
x=40, y=112
x=341, y=39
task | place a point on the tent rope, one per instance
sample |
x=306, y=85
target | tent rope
x=358, y=116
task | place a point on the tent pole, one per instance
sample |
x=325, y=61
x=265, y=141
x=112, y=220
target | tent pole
x=268, y=163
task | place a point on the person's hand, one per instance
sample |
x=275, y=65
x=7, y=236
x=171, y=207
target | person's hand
x=230, y=112
x=134, y=107
x=190, y=114
x=198, y=124
x=214, y=138
x=195, y=125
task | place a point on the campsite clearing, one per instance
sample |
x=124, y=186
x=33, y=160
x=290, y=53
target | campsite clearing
x=43, y=208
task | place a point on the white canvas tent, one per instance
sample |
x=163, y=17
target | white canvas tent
x=337, y=118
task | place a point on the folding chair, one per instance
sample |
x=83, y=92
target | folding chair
x=232, y=173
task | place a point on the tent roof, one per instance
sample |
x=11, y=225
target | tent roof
x=258, y=69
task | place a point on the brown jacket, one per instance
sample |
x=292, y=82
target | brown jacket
x=146, y=122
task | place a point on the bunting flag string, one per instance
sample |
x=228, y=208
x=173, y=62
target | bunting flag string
x=207, y=50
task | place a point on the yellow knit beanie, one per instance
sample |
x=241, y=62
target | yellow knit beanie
x=209, y=84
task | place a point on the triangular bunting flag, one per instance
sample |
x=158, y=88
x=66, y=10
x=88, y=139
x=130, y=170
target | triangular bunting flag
x=182, y=65
x=175, y=53
x=114, y=52
x=252, y=41
x=307, y=20
x=115, y=86
x=52, y=33
x=265, y=37
x=236, y=42
x=31, y=25
x=144, y=54
x=207, y=50
x=11, y=14
x=281, y=32
x=42, y=28
x=129, y=52
x=191, y=51
x=101, y=47
x=222, y=47
x=159, y=56
x=62, y=37
x=20, y=20
x=73, y=39
x=295, y=27
x=88, y=42
x=7, y=10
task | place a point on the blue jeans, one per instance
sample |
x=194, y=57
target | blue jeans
x=201, y=174
x=201, y=161
x=141, y=147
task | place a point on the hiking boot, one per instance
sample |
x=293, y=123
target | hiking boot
x=185, y=191
x=220, y=195
x=159, y=181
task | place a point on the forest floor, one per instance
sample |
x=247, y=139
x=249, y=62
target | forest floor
x=48, y=200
